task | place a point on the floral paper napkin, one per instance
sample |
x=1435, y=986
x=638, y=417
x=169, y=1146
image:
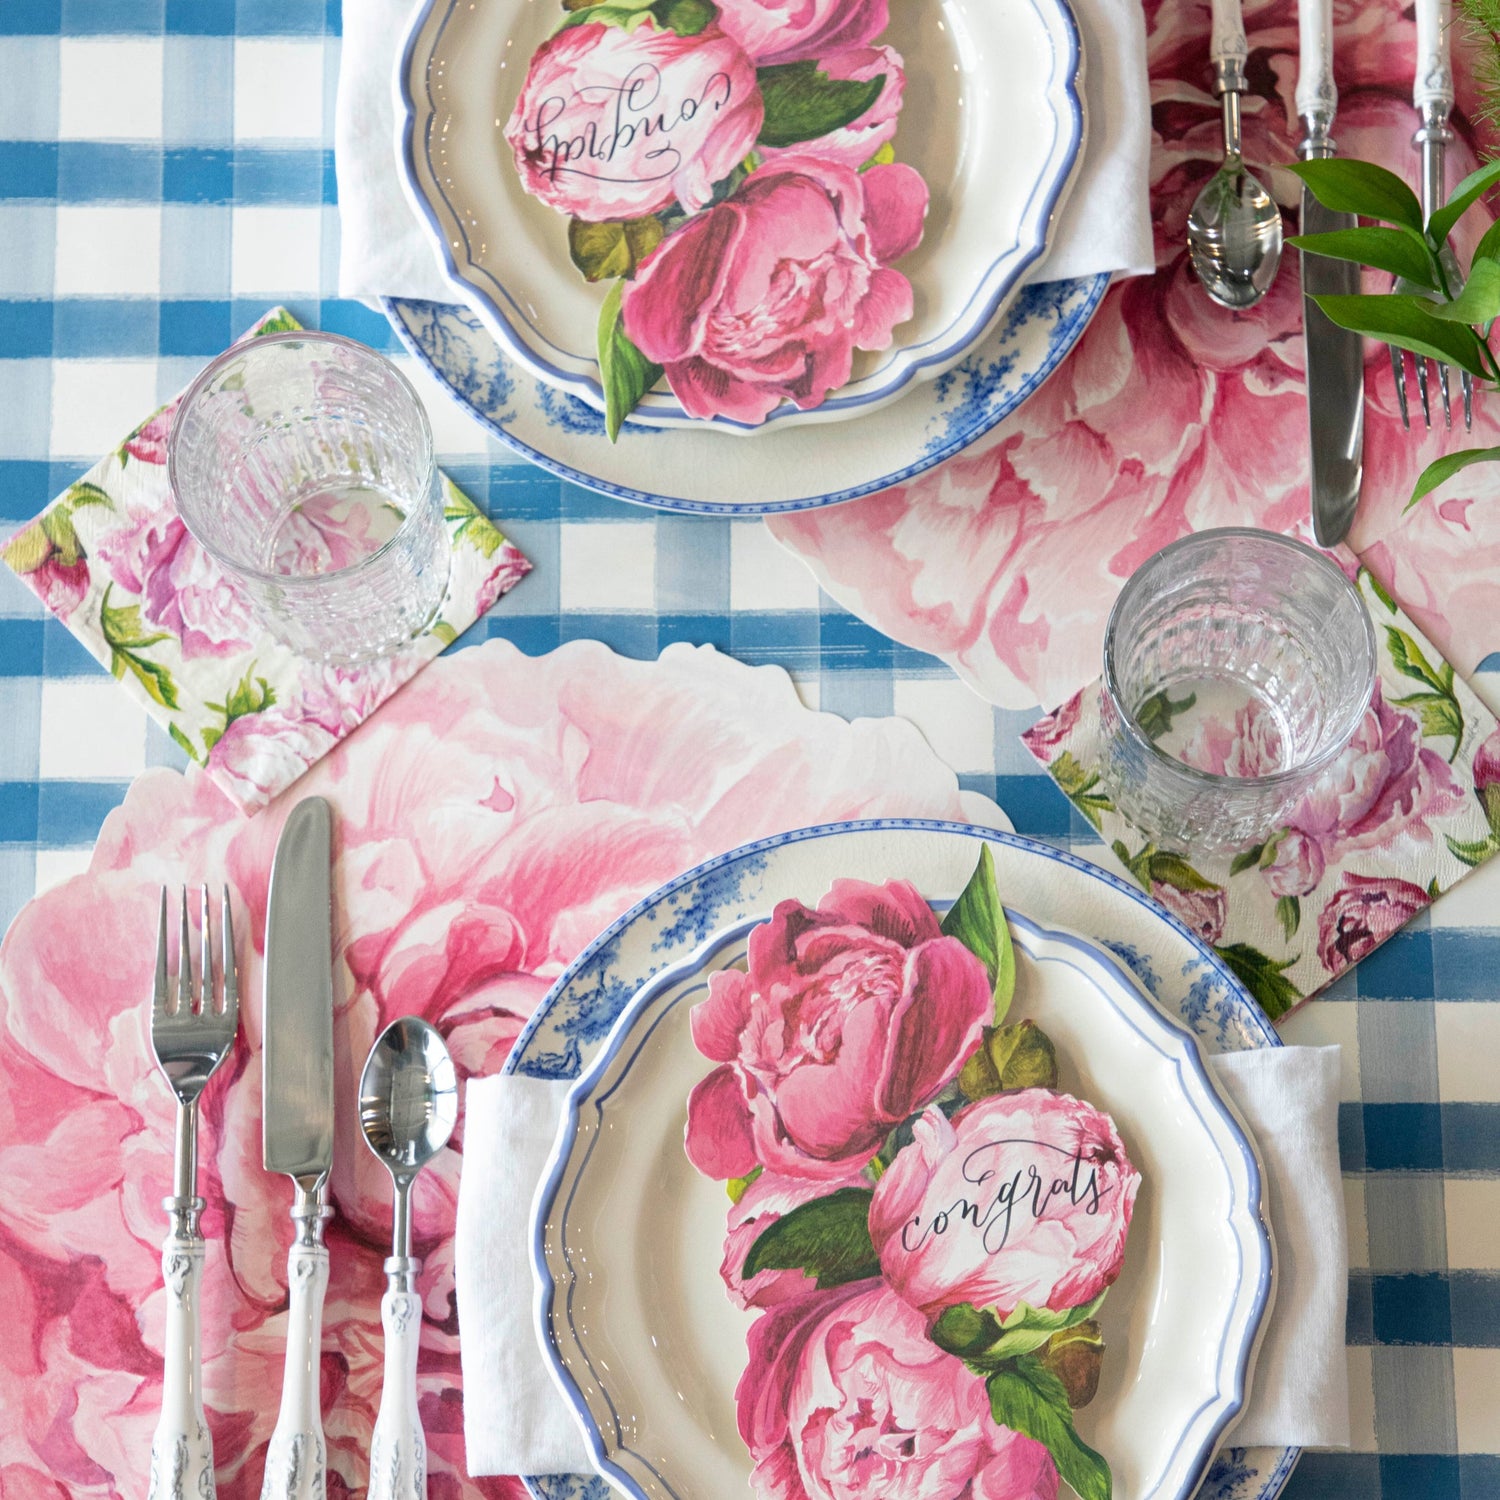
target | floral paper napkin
x=1410, y=807
x=111, y=558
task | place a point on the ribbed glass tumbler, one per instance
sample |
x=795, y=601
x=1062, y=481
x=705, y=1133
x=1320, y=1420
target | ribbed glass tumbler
x=1237, y=666
x=303, y=464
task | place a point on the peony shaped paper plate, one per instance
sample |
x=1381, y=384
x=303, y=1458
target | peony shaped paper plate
x=740, y=212
x=878, y=1189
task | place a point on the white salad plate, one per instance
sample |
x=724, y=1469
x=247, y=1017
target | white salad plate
x=993, y=120
x=791, y=468
x=661, y=1252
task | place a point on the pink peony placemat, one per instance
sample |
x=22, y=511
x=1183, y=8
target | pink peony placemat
x=112, y=560
x=471, y=817
x=1409, y=809
x=1171, y=415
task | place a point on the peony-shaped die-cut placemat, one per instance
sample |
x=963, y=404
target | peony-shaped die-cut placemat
x=111, y=558
x=499, y=813
x=1408, y=810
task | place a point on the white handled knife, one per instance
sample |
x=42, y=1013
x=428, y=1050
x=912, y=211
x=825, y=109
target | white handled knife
x=297, y=1129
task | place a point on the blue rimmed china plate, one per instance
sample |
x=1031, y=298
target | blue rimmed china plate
x=993, y=126
x=717, y=903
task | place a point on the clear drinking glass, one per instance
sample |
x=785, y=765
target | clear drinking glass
x=1237, y=666
x=303, y=464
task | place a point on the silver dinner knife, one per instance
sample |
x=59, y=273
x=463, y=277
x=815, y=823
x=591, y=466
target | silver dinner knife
x=1335, y=357
x=297, y=1109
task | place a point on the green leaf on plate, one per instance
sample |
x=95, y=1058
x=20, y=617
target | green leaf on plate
x=1075, y=1355
x=614, y=248
x=977, y=920
x=1393, y=250
x=1264, y=977
x=1010, y=1057
x=1410, y=323
x=803, y=103
x=685, y=17
x=737, y=1187
x=626, y=373
x=1030, y=1399
x=1348, y=186
x=828, y=1238
x=1461, y=199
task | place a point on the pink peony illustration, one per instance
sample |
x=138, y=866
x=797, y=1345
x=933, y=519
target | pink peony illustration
x=1250, y=745
x=765, y=297
x=470, y=811
x=860, y=139
x=181, y=589
x=616, y=123
x=261, y=752
x=1021, y=1197
x=148, y=443
x=785, y=31
x=1297, y=866
x=846, y=1398
x=1384, y=785
x=1203, y=911
x=1363, y=913
x=1048, y=735
x=849, y=1019
x=57, y=575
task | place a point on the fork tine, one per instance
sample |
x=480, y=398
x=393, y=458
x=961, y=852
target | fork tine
x=184, y=962
x=231, y=975
x=1422, y=388
x=1443, y=387
x=159, y=984
x=1466, y=384
x=1398, y=374
x=205, y=949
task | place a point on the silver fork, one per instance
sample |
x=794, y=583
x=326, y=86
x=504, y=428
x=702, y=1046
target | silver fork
x=1433, y=97
x=191, y=1037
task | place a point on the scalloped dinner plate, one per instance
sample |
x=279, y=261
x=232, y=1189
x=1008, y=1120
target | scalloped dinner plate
x=995, y=89
x=660, y=1419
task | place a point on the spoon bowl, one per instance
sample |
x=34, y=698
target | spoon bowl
x=1234, y=237
x=408, y=1099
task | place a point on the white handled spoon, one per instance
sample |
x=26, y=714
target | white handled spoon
x=408, y=1103
x=1234, y=226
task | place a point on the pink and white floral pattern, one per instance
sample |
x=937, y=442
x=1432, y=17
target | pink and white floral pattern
x=113, y=560
x=468, y=813
x=1170, y=416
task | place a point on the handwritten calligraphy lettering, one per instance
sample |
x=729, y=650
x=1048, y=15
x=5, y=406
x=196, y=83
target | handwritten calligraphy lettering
x=991, y=1211
x=637, y=116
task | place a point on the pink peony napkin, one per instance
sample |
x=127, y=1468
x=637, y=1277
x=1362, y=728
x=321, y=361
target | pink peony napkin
x=112, y=560
x=1409, y=809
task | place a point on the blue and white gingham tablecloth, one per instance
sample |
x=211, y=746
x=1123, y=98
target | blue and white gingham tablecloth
x=166, y=174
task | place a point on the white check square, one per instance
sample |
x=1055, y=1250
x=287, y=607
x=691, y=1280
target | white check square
x=108, y=250
x=607, y=567
x=276, y=252
x=278, y=89
x=90, y=730
x=109, y=88
x=96, y=403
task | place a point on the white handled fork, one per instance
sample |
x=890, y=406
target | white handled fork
x=191, y=1038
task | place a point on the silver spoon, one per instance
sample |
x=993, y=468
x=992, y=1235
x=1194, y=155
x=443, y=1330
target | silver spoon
x=408, y=1102
x=1234, y=228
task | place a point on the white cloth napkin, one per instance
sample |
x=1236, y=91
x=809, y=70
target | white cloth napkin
x=516, y=1422
x=1289, y=1098
x=385, y=252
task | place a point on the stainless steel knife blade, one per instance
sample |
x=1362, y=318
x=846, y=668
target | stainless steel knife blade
x=1335, y=383
x=297, y=1049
